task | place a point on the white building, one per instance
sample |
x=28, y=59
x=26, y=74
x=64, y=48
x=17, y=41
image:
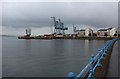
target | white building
x=107, y=32
x=102, y=32
x=88, y=32
x=84, y=32
x=80, y=33
x=113, y=31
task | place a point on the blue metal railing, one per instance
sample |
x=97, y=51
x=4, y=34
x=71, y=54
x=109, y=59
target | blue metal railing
x=94, y=62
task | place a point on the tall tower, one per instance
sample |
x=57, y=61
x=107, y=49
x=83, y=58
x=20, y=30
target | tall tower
x=28, y=32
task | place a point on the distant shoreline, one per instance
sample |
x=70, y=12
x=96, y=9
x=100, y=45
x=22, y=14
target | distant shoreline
x=8, y=36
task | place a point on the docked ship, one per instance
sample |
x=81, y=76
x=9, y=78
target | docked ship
x=27, y=36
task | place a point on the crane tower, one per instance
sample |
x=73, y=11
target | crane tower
x=59, y=27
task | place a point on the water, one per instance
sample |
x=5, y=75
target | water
x=46, y=58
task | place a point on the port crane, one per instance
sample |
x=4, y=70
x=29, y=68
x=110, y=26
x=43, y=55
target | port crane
x=59, y=27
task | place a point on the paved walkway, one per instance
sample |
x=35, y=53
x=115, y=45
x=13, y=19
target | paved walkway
x=113, y=65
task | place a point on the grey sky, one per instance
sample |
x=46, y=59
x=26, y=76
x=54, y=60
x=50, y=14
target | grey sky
x=37, y=14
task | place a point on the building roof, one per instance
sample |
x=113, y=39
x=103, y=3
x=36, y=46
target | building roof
x=102, y=30
x=80, y=30
x=109, y=28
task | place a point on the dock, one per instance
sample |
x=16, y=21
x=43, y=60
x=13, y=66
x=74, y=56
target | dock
x=65, y=37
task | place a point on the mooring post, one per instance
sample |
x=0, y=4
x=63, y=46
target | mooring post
x=71, y=75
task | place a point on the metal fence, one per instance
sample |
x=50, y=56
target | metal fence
x=94, y=62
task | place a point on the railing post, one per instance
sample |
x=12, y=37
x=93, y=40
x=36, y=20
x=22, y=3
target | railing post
x=108, y=45
x=105, y=51
x=92, y=65
x=71, y=75
x=99, y=56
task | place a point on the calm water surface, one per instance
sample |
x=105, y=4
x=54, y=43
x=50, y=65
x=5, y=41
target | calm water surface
x=46, y=58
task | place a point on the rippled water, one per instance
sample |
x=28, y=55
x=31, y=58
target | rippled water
x=46, y=58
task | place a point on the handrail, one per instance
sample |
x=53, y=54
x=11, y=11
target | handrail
x=94, y=61
x=80, y=74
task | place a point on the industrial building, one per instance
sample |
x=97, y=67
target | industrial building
x=84, y=32
x=102, y=32
x=80, y=33
x=113, y=31
x=88, y=32
x=107, y=32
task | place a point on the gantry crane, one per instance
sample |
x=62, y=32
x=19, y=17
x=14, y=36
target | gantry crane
x=59, y=27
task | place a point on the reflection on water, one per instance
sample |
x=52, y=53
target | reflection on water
x=87, y=45
x=46, y=58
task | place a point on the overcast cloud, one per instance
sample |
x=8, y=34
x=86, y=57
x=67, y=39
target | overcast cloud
x=37, y=15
